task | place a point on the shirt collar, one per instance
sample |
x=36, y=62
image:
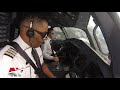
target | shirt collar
x=49, y=39
x=21, y=43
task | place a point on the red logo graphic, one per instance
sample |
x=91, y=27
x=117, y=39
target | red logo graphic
x=13, y=69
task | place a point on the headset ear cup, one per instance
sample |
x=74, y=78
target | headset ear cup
x=30, y=33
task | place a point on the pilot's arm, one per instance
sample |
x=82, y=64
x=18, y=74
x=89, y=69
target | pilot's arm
x=5, y=65
x=47, y=52
x=47, y=71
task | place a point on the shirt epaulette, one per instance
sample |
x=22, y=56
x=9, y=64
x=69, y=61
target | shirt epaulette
x=11, y=52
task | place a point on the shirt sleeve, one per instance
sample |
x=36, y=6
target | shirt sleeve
x=47, y=51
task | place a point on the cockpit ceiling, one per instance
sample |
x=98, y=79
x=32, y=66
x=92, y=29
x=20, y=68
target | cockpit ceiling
x=65, y=19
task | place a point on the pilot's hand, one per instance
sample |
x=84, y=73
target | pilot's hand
x=56, y=59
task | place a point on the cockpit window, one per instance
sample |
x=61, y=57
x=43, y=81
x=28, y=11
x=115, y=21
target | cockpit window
x=58, y=34
x=71, y=33
x=77, y=33
x=98, y=38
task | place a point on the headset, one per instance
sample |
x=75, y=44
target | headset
x=30, y=31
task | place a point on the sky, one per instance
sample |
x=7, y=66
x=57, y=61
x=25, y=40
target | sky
x=118, y=13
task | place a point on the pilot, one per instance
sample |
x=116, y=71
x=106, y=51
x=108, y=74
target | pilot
x=12, y=64
x=48, y=53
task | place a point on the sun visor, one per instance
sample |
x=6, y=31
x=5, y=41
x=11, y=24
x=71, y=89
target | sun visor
x=69, y=19
x=66, y=19
x=82, y=21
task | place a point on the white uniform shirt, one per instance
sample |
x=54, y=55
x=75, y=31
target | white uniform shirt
x=46, y=48
x=16, y=67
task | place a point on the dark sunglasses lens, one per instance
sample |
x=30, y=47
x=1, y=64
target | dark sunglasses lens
x=42, y=34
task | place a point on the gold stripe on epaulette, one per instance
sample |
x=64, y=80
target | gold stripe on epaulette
x=10, y=52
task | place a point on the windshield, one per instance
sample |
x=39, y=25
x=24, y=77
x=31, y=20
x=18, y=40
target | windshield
x=71, y=32
x=118, y=14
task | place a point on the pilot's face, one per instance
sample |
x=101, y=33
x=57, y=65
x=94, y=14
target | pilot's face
x=40, y=30
x=39, y=34
x=51, y=34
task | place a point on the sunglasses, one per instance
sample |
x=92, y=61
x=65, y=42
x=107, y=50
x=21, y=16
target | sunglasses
x=52, y=33
x=42, y=34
